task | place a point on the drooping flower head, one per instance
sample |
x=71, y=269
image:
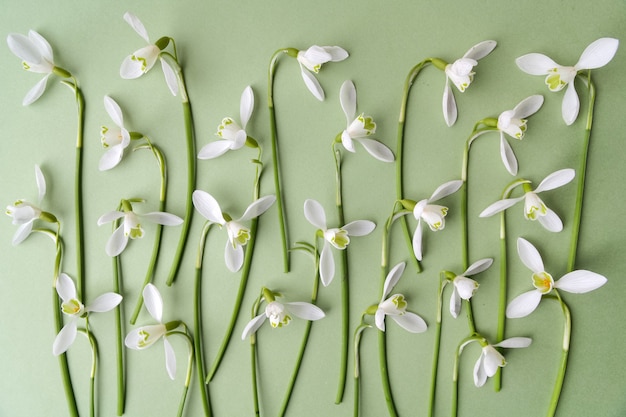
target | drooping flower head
x=464, y=287
x=115, y=139
x=491, y=359
x=596, y=55
x=311, y=61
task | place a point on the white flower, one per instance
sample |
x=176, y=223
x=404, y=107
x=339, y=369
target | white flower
x=433, y=215
x=142, y=60
x=395, y=306
x=360, y=127
x=337, y=237
x=131, y=227
x=145, y=336
x=513, y=123
x=534, y=207
x=24, y=213
x=238, y=234
x=115, y=140
x=234, y=135
x=578, y=282
x=311, y=61
x=596, y=55
x=464, y=287
x=490, y=359
x=461, y=74
x=74, y=309
x=36, y=54
x=280, y=314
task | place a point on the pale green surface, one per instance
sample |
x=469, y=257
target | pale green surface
x=225, y=46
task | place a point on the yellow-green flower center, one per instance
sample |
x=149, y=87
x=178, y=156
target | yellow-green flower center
x=72, y=307
x=543, y=282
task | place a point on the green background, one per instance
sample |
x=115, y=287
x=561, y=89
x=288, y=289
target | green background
x=226, y=45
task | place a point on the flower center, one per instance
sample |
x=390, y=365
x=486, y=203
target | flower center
x=543, y=282
x=145, y=335
x=72, y=307
x=559, y=77
x=339, y=238
x=400, y=303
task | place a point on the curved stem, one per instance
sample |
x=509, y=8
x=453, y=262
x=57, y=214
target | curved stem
x=94, y=362
x=357, y=373
x=567, y=332
x=455, y=373
x=435, y=366
x=190, y=359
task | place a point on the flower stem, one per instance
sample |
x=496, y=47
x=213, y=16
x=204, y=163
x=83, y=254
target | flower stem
x=92, y=376
x=78, y=191
x=384, y=373
x=591, y=92
x=119, y=333
x=455, y=373
x=400, y=151
x=253, y=364
x=190, y=360
x=357, y=373
x=567, y=332
x=435, y=367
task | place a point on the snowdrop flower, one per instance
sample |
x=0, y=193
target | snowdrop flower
x=433, y=215
x=116, y=139
x=145, y=336
x=464, y=287
x=36, y=55
x=74, y=309
x=360, y=127
x=490, y=359
x=238, y=234
x=578, y=282
x=596, y=55
x=131, y=227
x=24, y=213
x=142, y=60
x=336, y=237
x=234, y=135
x=461, y=74
x=534, y=207
x=395, y=306
x=279, y=314
x=311, y=62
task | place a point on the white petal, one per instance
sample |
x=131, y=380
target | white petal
x=377, y=149
x=109, y=217
x=551, y=221
x=499, y=206
x=214, y=149
x=258, y=207
x=478, y=266
x=171, y=79
x=24, y=48
x=571, y=104
x=379, y=319
x=445, y=190
x=253, y=325
x=246, y=106
x=347, y=142
x=208, y=206
x=392, y=278
x=359, y=227
x=327, y=265
x=417, y=242
x=65, y=287
x=535, y=64
x=465, y=287
x=411, y=322
x=455, y=303
x=111, y=158
x=480, y=50
x=144, y=337
x=312, y=84
x=137, y=26
x=529, y=255
x=523, y=304
x=492, y=361
x=306, y=311
x=508, y=156
x=114, y=111
x=314, y=213
x=41, y=44
x=36, y=92
x=159, y=217
x=449, y=105
x=233, y=257
x=153, y=302
x=117, y=242
x=347, y=98
x=528, y=106
x=65, y=338
x=515, y=342
x=170, y=358
x=130, y=69
x=106, y=302
x=598, y=54
x=22, y=232
x=480, y=377
x=556, y=179
x=580, y=282
x=337, y=53
x=41, y=183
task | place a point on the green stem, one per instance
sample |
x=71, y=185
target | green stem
x=357, y=373
x=94, y=362
x=78, y=193
x=455, y=373
x=591, y=92
x=119, y=333
x=253, y=364
x=190, y=360
x=384, y=373
x=435, y=366
x=567, y=332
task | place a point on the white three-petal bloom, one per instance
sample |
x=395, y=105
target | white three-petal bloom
x=513, y=123
x=578, y=282
x=434, y=215
x=336, y=237
x=131, y=227
x=596, y=55
x=238, y=234
x=145, y=336
x=142, y=60
x=36, y=54
x=360, y=127
x=234, y=135
x=311, y=61
x=116, y=139
x=534, y=207
x=279, y=315
x=490, y=359
x=24, y=213
x=74, y=309
x=395, y=305
x=461, y=74
x=464, y=287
